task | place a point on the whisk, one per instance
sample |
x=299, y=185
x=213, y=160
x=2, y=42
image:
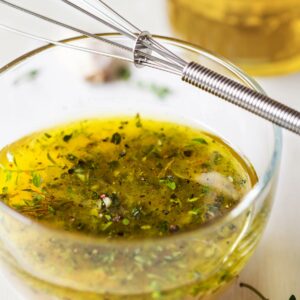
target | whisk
x=146, y=51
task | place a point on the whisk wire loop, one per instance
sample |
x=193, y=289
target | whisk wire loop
x=64, y=25
x=101, y=20
x=118, y=18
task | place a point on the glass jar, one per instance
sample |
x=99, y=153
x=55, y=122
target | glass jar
x=262, y=36
x=46, y=263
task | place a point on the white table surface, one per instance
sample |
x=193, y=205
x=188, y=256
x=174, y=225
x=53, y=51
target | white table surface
x=275, y=267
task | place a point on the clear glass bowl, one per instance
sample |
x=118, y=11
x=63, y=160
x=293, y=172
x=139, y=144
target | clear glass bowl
x=52, y=264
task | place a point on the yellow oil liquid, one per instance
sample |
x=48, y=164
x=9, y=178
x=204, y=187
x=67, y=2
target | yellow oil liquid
x=62, y=177
x=123, y=178
x=261, y=36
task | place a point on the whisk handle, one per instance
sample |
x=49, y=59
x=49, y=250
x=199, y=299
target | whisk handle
x=242, y=96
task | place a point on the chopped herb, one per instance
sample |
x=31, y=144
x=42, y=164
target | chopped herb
x=8, y=176
x=160, y=91
x=37, y=199
x=124, y=73
x=47, y=135
x=115, y=200
x=29, y=76
x=136, y=212
x=204, y=190
x=217, y=157
x=169, y=183
x=194, y=199
x=146, y=227
x=67, y=137
x=200, y=141
x=95, y=196
x=194, y=211
x=5, y=190
x=176, y=202
x=163, y=226
x=105, y=226
x=50, y=158
x=107, y=217
x=36, y=180
x=51, y=209
x=138, y=122
x=116, y=138
x=125, y=221
x=293, y=297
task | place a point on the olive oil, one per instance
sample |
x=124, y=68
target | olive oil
x=123, y=178
x=262, y=36
x=136, y=196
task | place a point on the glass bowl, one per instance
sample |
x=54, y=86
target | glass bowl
x=45, y=87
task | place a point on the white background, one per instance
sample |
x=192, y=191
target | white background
x=275, y=267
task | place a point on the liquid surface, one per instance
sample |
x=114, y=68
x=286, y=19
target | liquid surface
x=123, y=177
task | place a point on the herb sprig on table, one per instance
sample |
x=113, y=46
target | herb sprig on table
x=258, y=293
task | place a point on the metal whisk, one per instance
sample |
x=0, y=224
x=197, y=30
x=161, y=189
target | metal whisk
x=146, y=51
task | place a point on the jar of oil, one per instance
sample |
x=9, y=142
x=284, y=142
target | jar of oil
x=262, y=36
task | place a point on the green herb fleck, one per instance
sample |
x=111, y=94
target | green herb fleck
x=105, y=226
x=36, y=180
x=146, y=227
x=50, y=158
x=194, y=211
x=67, y=137
x=293, y=297
x=176, y=201
x=116, y=138
x=136, y=212
x=160, y=91
x=51, y=209
x=217, y=157
x=125, y=221
x=138, y=122
x=29, y=76
x=37, y=198
x=193, y=199
x=204, y=190
x=200, y=141
x=124, y=73
x=95, y=196
x=169, y=183
x=47, y=135
x=107, y=217
x=8, y=176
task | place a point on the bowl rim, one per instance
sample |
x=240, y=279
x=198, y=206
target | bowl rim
x=250, y=197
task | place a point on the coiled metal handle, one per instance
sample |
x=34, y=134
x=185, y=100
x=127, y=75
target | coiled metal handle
x=242, y=96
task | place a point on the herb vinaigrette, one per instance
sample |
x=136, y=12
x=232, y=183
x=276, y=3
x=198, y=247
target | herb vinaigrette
x=123, y=177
